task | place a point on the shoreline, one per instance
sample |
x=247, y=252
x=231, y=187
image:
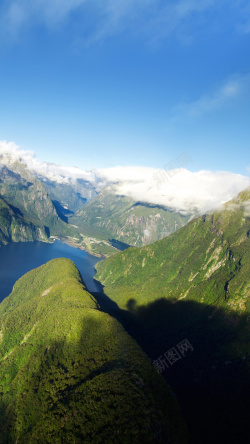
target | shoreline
x=72, y=243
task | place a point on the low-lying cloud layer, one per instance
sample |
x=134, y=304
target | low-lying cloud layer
x=10, y=153
x=178, y=189
x=155, y=20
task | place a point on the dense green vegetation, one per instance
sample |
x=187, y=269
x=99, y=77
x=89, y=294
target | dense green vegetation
x=207, y=261
x=111, y=216
x=68, y=370
x=70, y=373
x=194, y=284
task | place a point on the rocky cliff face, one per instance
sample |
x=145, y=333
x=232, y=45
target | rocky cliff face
x=20, y=188
x=73, y=196
x=24, y=192
x=111, y=216
x=14, y=228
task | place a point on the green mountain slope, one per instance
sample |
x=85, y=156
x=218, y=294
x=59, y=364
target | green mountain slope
x=21, y=189
x=111, y=216
x=14, y=228
x=194, y=285
x=69, y=373
x=208, y=261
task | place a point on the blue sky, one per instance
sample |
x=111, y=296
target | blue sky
x=101, y=83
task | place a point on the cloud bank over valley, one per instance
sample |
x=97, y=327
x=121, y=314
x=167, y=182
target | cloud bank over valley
x=178, y=189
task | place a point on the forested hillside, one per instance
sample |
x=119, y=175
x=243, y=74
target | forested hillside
x=70, y=373
x=206, y=261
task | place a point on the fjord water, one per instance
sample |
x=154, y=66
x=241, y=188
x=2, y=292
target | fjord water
x=16, y=259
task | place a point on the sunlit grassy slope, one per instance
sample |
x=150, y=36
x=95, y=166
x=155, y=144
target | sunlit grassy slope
x=69, y=373
x=208, y=261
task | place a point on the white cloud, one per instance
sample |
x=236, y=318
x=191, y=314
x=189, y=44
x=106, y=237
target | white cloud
x=18, y=16
x=178, y=189
x=232, y=88
x=47, y=11
x=177, y=17
x=10, y=152
x=155, y=19
x=182, y=190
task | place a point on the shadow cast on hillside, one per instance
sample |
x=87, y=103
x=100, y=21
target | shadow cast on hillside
x=105, y=303
x=80, y=392
x=212, y=378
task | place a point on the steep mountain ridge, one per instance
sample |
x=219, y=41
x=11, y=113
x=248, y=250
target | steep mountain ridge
x=14, y=227
x=70, y=373
x=20, y=188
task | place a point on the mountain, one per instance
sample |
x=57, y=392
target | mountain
x=69, y=197
x=65, y=205
x=110, y=216
x=194, y=285
x=70, y=373
x=69, y=206
x=207, y=261
x=14, y=227
x=20, y=188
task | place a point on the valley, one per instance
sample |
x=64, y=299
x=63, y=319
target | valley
x=135, y=223
x=164, y=278
x=124, y=222
x=77, y=212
